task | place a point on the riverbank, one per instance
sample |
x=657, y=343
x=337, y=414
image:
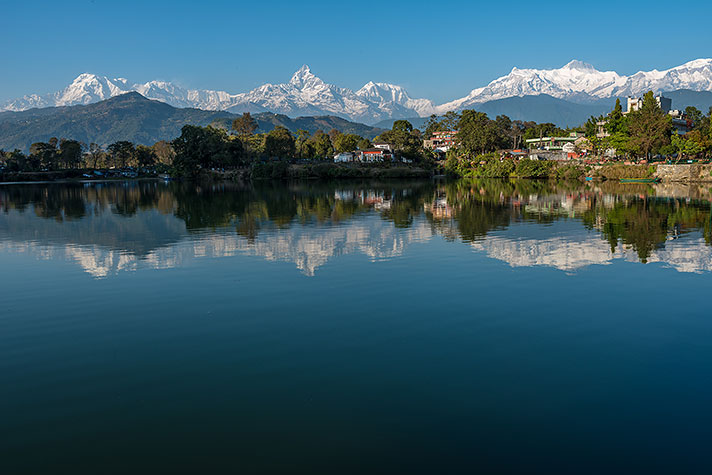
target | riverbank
x=492, y=167
x=679, y=173
x=258, y=171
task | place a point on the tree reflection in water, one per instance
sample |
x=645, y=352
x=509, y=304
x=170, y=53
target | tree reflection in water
x=643, y=218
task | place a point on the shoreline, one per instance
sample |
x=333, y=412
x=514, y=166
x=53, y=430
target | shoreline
x=280, y=171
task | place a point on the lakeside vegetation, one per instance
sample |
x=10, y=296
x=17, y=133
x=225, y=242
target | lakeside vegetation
x=481, y=149
x=648, y=131
x=276, y=154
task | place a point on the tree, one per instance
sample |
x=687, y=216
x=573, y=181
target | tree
x=649, y=127
x=16, y=161
x=364, y=144
x=279, y=143
x=95, y=153
x=346, y=143
x=477, y=134
x=685, y=146
x=694, y=115
x=402, y=126
x=405, y=140
x=245, y=125
x=320, y=145
x=333, y=133
x=121, y=152
x=164, y=152
x=703, y=142
x=591, y=127
x=70, y=153
x=433, y=125
x=302, y=145
x=450, y=121
x=616, y=120
x=205, y=147
x=44, y=154
x=145, y=156
x=505, y=131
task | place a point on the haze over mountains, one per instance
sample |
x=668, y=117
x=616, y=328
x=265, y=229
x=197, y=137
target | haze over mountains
x=305, y=94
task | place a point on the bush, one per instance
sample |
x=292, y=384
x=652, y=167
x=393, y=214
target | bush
x=269, y=170
x=618, y=171
x=533, y=169
x=569, y=171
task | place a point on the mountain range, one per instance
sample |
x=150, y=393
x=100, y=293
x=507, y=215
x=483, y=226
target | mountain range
x=307, y=95
x=132, y=117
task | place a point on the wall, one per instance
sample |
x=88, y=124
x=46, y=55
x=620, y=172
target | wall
x=684, y=173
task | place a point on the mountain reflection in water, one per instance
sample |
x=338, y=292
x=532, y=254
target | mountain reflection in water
x=112, y=227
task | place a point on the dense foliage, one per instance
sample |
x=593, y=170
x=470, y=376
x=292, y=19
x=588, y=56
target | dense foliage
x=648, y=131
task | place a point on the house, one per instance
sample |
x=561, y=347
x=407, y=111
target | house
x=384, y=146
x=601, y=131
x=551, y=144
x=374, y=154
x=680, y=122
x=441, y=141
x=344, y=157
x=635, y=103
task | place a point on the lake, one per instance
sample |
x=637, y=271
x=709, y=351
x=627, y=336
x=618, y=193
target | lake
x=355, y=327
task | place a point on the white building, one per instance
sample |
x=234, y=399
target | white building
x=344, y=157
x=635, y=103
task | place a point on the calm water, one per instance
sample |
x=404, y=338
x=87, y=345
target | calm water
x=406, y=327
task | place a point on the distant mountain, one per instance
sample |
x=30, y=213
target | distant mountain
x=545, y=108
x=267, y=121
x=541, y=108
x=684, y=97
x=581, y=82
x=133, y=117
x=307, y=95
x=304, y=94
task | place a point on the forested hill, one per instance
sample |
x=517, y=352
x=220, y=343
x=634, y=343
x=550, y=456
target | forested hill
x=267, y=121
x=134, y=118
x=541, y=109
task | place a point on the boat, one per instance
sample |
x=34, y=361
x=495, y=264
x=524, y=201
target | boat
x=640, y=180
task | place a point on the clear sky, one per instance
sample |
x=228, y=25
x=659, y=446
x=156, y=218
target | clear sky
x=438, y=49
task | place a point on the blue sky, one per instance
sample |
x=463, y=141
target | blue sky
x=439, y=50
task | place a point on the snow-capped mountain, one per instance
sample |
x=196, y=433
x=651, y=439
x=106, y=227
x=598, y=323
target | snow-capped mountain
x=695, y=75
x=306, y=94
x=580, y=82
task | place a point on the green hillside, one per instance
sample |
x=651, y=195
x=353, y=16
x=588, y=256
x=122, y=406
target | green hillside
x=142, y=121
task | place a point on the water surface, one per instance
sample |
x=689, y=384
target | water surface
x=416, y=327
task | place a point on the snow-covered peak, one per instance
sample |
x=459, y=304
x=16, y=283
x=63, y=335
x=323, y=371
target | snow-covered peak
x=303, y=77
x=696, y=63
x=579, y=65
x=581, y=82
x=383, y=92
x=306, y=94
x=88, y=88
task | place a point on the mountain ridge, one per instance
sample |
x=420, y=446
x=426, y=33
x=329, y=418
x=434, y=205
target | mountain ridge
x=306, y=94
x=140, y=120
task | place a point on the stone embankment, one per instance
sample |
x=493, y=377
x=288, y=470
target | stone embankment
x=684, y=173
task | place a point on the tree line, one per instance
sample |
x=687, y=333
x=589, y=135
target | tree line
x=66, y=154
x=641, y=133
x=649, y=131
